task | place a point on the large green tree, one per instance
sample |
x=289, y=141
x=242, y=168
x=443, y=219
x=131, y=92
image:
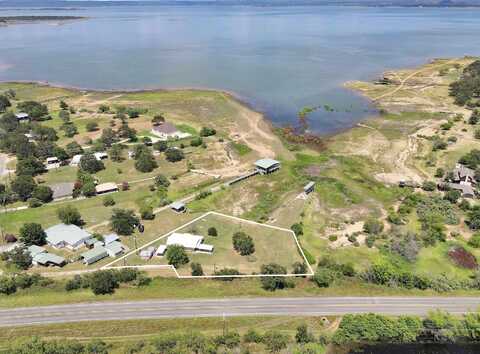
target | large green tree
x=69, y=215
x=123, y=222
x=32, y=234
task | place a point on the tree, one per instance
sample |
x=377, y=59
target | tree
x=373, y=226
x=70, y=215
x=4, y=103
x=32, y=234
x=91, y=126
x=299, y=268
x=9, y=122
x=161, y=181
x=73, y=149
x=196, y=141
x=7, y=285
x=103, y=282
x=243, y=243
x=197, y=269
x=103, y=108
x=64, y=115
x=90, y=164
x=158, y=119
x=160, y=146
x=69, y=129
x=176, y=256
x=303, y=335
x=174, y=154
x=205, y=131
x=275, y=341
x=35, y=110
x=20, y=257
x=324, y=277
x=123, y=222
x=273, y=283
x=63, y=104
x=212, y=231
x=108, y=137
x=115, y=153
x=440, y=172
x=23, y=186
x=452, y=196
x=88, y=189
x=145, y=162
x=29, y=166
x=43, y=193
x=146, y=212
x=126, y=132
x=474, y=117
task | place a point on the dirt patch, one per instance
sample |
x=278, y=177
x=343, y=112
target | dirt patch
x=462, y=258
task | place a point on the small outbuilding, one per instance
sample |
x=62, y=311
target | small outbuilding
x=309, y=188
x=266, y=166
x=101, y=155
x=147, y=253
x=109, y=187
x=22, y=117
x=178, y=207
x=161, y=250
x=107, y=239
x=62, y=190
x=94, y=255
x=48, y=259
x=114, y=249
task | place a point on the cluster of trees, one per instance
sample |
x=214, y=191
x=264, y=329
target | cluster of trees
x=11, y=283
x=144, y=159
x=438, y=326
x=35, y=345
x=124, y=222
x=243, y=243
x=466, y=90
x=104, y=282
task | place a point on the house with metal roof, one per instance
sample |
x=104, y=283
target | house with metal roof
x=109, y=187
x=179, y=207
x=94, y=255
x=462, y=173
x=47, y=259
x=266, y=166
x=166, y=130
x=69, y=236
x=35, y=250
x=114, y=248
x=466, y=189
x=189, y=242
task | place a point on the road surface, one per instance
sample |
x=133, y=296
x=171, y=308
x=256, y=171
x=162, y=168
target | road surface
x=313, y=306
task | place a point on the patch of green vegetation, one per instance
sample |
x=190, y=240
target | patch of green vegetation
x=239, y=148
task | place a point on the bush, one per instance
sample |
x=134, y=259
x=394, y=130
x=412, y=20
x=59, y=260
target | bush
x=299, y=268
x=243, y=243
x=297, y=228
x=429, y=186
x=303, y=335
x=275, y=341
x=197, y=269
x=227, y=271
x=34, y=203
x=7, y=285
x=205, y=131
x=146, y=213
x=196, y=141
x=474, y=241
x=74, y=283
x=174, y=155
x=91, y=126
x=212, y=231
x=324, y=277
x=176, y=256
x=108, y=201
x=440, y=172
x=370, y=241
x=373, y=226
x=252, y=336
x=43, y=193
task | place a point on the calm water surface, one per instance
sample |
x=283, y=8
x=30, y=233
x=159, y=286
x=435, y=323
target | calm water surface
x=278, y=59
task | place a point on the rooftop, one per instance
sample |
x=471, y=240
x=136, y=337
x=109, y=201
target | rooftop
x=186, y=240
x=106, y=187
x=165, y=128
x=266, y=163
x=62, y=190
x=70, y=234
x=45, y=258
x=35, y=250
x=95, y=252
x=177, y=205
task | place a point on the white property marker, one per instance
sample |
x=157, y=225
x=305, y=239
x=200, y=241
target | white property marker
x=168, y=266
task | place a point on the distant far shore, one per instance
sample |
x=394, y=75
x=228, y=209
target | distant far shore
x=12, y=20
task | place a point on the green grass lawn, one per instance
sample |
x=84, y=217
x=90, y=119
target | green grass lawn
x=271, y=246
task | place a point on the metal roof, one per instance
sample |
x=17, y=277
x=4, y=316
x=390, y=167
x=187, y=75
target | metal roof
x=44, y=258
x=266, y=163
x=34, y=250
x=95, y=253
x=177, y=205
x=61, y=190
x=186, y=240
x=106, y=187
x=110, y=238
x=114, y=247
x=70, y=234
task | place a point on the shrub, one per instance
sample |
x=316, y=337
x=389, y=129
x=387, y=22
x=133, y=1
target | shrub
x=373, y=226
x=43, y=193
x=429, y=186
x=91, y=126
x=462, y=258
x=243, y=243
x=7, y=285
x=297, y=228
x=440, y=172
x=323, y=277
x=205, y=131
x=174, y=155
x=252, y=336
x=227, y=271
x=108, y=201
x=74, y=283
x=34, y=203
x=196, y=141
x=212, y=231
x=303, y=335
x=299, y=268
x=197, y=269
x=474, y=241
x=146, y=213
x=333, y=238
x=275, y=341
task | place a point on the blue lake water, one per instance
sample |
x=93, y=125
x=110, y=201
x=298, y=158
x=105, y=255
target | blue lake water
x=278, y=59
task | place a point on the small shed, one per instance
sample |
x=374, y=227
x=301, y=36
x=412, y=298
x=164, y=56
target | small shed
x=178, y=207
x=90, y=242
x=109, y=187
x=205, y=248
x=107, y=239
x=266, y=166
x=147, y=253
x=309, y=188
x=94, y=255
x=62, y=190
x=9, y=238
x=22, y=117
x=75, y=161
x=161, y=250
x=101, y=155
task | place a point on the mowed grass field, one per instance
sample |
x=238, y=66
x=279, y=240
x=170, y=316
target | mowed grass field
x=271, y=246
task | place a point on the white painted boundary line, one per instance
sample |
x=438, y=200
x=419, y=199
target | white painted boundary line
x=163, y=266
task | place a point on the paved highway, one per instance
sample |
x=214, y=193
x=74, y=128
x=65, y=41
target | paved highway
x=312, y=306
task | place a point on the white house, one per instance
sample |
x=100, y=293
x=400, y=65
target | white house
x=189, y=242
x=69, y=236
x=167, y=131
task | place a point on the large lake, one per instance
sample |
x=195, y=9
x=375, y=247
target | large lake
x=278, y=59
